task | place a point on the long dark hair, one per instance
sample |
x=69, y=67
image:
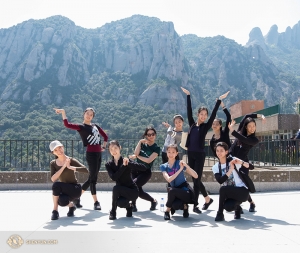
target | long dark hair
x=220, y=122
x=147, y=129
x=175, y=147
x=116, y=143
x=225, y=146
x=243, y=130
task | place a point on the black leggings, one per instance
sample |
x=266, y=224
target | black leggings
x=196, y=162
x=177, y=193
x=244, y=169
x=94, y=162
x=121, y=196
x=141, y=178
x=66, y=192
x=240, y=194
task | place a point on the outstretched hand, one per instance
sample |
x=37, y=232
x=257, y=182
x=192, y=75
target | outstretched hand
x=166, y=124
x=231, y=125
x=224, y=95
x=58, y=111
x=185, y=91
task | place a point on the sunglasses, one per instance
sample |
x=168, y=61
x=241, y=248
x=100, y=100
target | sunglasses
x=149, y=135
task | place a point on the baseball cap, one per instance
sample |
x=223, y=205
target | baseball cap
x=54, y=144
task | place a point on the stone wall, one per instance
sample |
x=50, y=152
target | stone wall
x=265, y=180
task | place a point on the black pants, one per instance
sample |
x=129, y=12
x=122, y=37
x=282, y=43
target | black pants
x=141, y=178
x=121, y=196
x=196, y=162
x=244, y=169
x=66, y=192
x=239, y=194
x=177, y=193
x=94, y=162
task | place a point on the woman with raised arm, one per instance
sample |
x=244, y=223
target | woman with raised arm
x=119, y=169
x=233, y=188
x=220, y=135
x=179, y=190
x=173, y=137
x=196, y=143
x=90, y=135
x=145, y=152
x=245, y=140
x=67, y=189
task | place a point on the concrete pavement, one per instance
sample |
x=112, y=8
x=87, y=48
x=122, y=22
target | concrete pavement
x=274, y=227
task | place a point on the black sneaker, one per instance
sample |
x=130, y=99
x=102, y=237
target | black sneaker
x=71, y=211
x=55, y=215
x=134, y=209
x=153, y=205
x=77, y=203
x=237, y=213
x=252, y=208
x=219, y=217
x=129, y=211
x=206, y=205
x=172, y=210
x=167, y=216
x=196, y=210
x=112, y=215
x=97, y=206
x=186, y=212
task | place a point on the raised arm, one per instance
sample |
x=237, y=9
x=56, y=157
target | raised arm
x=248, y=140
x=228, y=118
x=214, y=112
x=189, y=107
x=66, y=122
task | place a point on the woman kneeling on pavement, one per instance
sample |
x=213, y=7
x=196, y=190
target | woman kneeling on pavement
x=233, y=190
x=180, y=194
x=67, y=189
x=119, y=169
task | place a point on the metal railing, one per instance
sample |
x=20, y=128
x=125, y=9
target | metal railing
x=34, y=155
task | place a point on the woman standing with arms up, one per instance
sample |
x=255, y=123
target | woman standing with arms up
x=145, y=152
x=119, y=169
x=90, y=135
x=220, y=135
x=67, y=189
x=196, y=144
x=244, y=142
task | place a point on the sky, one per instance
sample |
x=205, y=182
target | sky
x=233, y=19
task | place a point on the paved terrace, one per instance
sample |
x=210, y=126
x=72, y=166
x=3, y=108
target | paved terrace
x=273, y=228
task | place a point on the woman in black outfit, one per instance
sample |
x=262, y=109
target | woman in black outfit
x=145, y=152
x=220, y=135
x=90, y=135
x=233, y=190
x=119, y=170
x=195, y=144
x=67, y=189
x=245, y=140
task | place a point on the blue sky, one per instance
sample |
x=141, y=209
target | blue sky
x=232, y=18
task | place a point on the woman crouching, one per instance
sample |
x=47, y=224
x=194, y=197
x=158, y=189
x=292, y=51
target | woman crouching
x=233, y=190
x=67, y=189
x=119, y=169
x=180, y=194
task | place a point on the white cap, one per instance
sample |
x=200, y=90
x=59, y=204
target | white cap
x=54, y=144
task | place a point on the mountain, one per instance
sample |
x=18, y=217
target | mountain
x=129, y=70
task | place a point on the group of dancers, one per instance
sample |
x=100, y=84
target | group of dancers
x=132, y=173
